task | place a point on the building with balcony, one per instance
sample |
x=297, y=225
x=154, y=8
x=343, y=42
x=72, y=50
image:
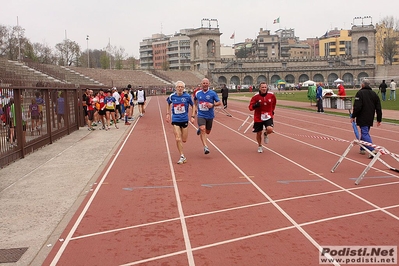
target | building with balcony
x=336, y=43
x=178, y=51
x=267, y=45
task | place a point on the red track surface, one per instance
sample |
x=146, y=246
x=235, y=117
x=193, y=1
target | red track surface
x=234, y=206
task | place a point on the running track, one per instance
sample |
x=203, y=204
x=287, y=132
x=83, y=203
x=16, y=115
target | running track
x=234, y=206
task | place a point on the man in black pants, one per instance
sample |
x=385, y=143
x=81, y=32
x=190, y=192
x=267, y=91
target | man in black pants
x=225, y=95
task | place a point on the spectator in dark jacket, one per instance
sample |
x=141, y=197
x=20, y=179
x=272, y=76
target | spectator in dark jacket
x=367, y=104
x=319, y=98
x=383, y=89
x=225, y=95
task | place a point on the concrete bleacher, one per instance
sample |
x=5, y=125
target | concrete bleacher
x=190, y=78
x=31, y=73
x=121, y=78
x=16, y=73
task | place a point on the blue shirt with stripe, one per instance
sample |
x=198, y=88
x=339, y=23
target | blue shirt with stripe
x=180, y=105
x=202, y=98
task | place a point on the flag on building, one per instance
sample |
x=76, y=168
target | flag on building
x=325, y=35
x=277, y=20
x=232, y=35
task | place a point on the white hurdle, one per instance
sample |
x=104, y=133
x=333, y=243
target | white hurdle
x=245, y=121
x=219, y=108
x=380, y=151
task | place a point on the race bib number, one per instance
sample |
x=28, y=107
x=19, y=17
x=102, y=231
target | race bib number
x=265, y=116
x=110, y=104
x=203, y=106
x=179, y=108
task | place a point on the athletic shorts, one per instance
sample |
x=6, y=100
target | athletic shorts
x=207, y=122
x=101, y=112
x=258, y=126
x=91, y=114
x=180, y=124
x=85, y=110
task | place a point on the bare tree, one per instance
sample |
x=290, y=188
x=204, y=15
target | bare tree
x=3, y=39
x=105, y=60
x=387, y=38
x=132, y=62
x=12, y=41
x=44, y=54
x=120, y=55
x=68, y=52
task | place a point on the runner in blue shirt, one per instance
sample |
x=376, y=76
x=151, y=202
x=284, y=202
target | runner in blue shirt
x=180, y=102
x=205, y=100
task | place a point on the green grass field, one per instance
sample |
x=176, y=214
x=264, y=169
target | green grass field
x=302, y=96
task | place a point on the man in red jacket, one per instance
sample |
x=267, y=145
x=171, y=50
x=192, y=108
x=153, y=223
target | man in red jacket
x=341, y=90
x=263, y=105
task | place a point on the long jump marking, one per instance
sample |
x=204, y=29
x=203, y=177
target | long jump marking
x=225, y=184
x=298, y=181
x=149, y=187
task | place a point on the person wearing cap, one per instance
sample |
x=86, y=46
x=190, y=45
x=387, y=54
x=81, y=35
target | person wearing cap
x=366, y=105
x=180, y=102
x=141, y=99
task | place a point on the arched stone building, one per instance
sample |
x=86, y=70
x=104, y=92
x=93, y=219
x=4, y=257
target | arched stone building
x=205, y=44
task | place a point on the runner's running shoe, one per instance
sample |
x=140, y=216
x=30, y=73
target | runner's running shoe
x=260, y=149
x=265, y=137
x=182, y=160
x=206, y=150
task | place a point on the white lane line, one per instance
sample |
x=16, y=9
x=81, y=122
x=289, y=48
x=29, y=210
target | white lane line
x=310, y=171
x=232, y=209
x=187, y=243
x=284, y=213
x=89, y=202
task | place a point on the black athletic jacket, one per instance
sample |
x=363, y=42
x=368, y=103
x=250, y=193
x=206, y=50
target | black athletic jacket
x=367, y=103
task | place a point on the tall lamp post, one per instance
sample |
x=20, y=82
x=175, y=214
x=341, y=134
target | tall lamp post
x=88, y=53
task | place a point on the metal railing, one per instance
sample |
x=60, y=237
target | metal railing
x=24, y=130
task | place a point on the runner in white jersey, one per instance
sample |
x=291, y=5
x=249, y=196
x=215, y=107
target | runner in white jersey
x=140, y=95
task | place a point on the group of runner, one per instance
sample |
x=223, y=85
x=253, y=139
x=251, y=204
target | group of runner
x=110, y=106
x=202, y=105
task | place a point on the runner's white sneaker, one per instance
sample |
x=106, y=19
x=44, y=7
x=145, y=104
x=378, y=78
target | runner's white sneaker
x=206, y=150
x=265, y=137
x=182, y=160
x=260, y=149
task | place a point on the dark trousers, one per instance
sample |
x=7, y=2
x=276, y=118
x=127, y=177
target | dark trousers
x=320, y=105
x=224, y=101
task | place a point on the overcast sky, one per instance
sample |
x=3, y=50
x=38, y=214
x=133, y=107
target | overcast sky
x=124, y=23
